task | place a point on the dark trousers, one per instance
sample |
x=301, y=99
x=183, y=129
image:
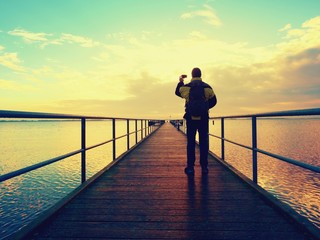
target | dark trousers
x=202, y=126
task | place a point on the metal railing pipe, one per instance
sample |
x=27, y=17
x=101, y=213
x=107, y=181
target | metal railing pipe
x=99, y=144
x=128, y=134
x=141, y=128
x=235, y=143
x=37, y=166
x=83, y=147
x=291, y=161
x=254, y=151
x=113, y=139
x=291, y=113
x=222, y=139
x=136, y=126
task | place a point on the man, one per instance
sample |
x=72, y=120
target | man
x=196, y=123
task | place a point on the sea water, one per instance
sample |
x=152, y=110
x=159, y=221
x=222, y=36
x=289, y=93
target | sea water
x=24, y=143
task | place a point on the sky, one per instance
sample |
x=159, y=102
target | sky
x=123, y=58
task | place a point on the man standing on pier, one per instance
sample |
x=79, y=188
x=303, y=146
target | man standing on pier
x=199, y=99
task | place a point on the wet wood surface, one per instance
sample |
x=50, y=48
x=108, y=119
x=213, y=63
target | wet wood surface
x=148, y=196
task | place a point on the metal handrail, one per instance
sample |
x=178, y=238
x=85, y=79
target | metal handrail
x=37, y=166
x=254, y=148
x=285, y=159
x=290, y=113
x=23, y=114
x=147, y=129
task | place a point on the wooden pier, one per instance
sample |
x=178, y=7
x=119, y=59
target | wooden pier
x=148, y=196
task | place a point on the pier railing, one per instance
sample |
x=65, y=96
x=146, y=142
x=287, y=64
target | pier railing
x=180, y=124
x=147, y=126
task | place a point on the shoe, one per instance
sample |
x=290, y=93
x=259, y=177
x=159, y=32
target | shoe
x=205, y=170
x=189, y=170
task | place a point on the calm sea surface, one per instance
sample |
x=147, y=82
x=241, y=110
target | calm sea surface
x=25, y=143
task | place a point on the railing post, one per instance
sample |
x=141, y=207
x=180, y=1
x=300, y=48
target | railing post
x=113, y=139
x=83, y=147
x=222, y=138
x=145, y=128
x=136, y=121
x=254, y=151
x=128, y=137
x=141, y=129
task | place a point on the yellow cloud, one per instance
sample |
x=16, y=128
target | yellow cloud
x=312, y=23
x=198, y=35
x=82, y=41
x=285, y=28
x=11, y=60
x=298, y=39
x=47, y=39
x=207, y=14
x=30, y=36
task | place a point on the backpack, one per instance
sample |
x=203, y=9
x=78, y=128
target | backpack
x=197, y=105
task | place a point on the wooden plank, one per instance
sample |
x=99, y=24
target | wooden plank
x=148, y=196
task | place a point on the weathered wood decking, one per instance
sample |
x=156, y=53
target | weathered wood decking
x=148, y=196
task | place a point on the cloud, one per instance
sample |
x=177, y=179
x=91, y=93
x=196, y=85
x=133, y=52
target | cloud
x=207, y=14
x=312, y=23
x=282, y=83
x=285, y=28
x=11, y=60
x=30, y=36
x=82, y=41
x=299, y=39
x=302, y=70
x=198, y=35
x=151, y=100
x=242, y=90
x=48, y=39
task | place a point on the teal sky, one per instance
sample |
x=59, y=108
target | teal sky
x=107, y=57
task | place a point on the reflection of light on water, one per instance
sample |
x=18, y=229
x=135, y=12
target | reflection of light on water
x=26, y=196
x=297, y=139
x=293, y=186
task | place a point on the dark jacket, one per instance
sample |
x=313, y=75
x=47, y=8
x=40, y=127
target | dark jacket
x=183, y=90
